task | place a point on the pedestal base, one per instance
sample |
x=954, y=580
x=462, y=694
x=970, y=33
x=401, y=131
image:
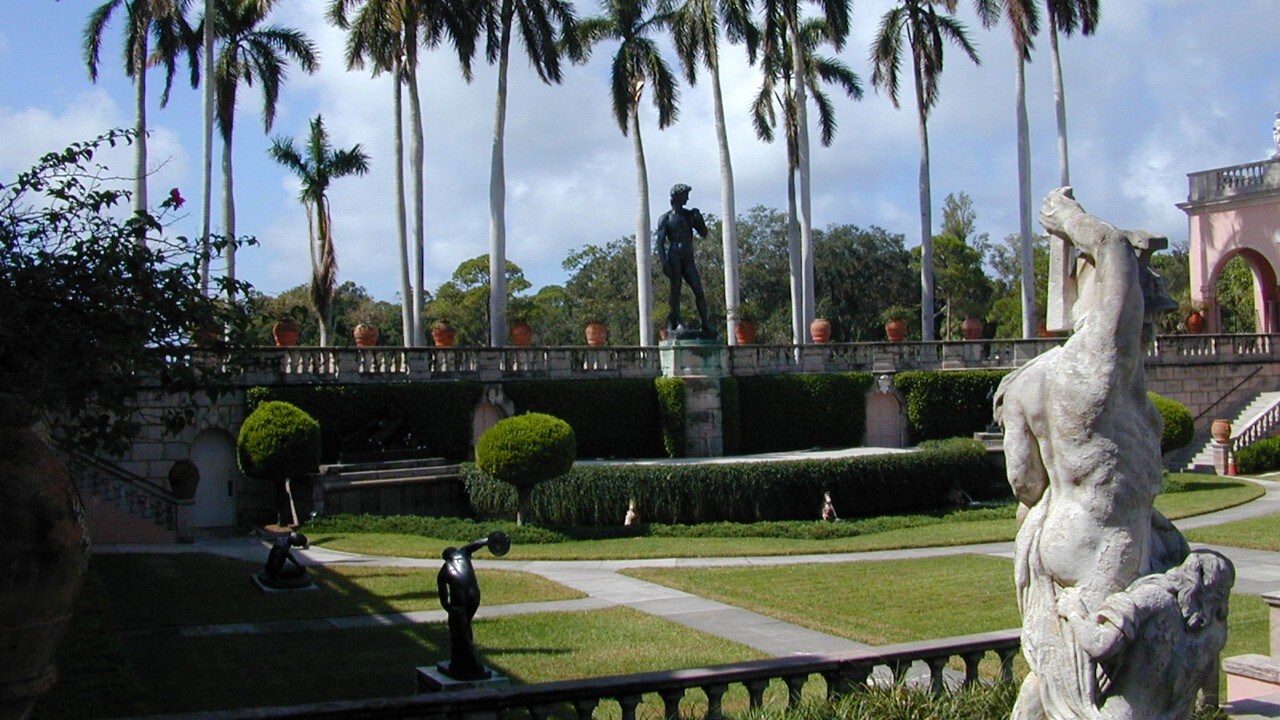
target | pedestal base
x=303, y=582
x=430, y=679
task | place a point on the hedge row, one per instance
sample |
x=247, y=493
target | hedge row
x=611, y=418
x=597, y=494
x=947, y=404
x=435, y=414
x=671, y=409
x=795, y=412
x=1260, y=457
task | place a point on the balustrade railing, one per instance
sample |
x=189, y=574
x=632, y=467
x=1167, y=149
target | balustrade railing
x=131, y=493
x=843, y=672
x=1235, y=180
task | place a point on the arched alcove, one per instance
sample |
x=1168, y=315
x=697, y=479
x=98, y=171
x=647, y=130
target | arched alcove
x=1264, y=291
x=884, y=420
x=214, y=452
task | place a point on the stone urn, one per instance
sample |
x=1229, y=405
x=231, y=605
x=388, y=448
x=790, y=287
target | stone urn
x=44, y=553
x=896, y=330
x=1195, y=322
x=285, y=333
x=820, y=331
x=365, y=335
x=596, y=333
x=972, y=328
x=184, y=478
x=1220, y=430
x=521, y=334
x=443, y=334
x=745, y=331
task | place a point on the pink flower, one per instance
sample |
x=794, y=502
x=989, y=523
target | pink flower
x=174, y=200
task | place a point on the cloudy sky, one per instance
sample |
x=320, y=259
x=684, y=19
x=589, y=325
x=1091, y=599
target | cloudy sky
x=1166, y=87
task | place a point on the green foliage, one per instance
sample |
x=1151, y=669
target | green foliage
x=731, y=416
x=447, y=528
x=1006, y=305
x=93, y=318
x=597, y=494
x=671, y=410
x=464, y=299
x=1262, y=456
x=947, y=404
x=901, y=701
x=1235, y=297
x=858, y=272
x=278, y=441
x=1179, y=427
x=794, y=412
x=611, y=418
x=527, y=449
x=352, y=305
x=437, y=415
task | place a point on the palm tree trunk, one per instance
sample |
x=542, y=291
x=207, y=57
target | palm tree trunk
x=1024, y=201
x=206, y=182
x=802, y=155
x=498, y=197
x=642, y=230
x=228, y=215
x=402, y=230
x=926, y=214
x=1059, y=102
x=140, y=142
x=728, y=211
x=328, y=269
x=793, y=256
x=415, y=164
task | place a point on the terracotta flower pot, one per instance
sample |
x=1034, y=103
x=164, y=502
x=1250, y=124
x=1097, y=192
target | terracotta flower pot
x=44, y=553
x=1195, y=323
x=1220, y=429
x=443, y=334
x=521, y=334
x=820, y=331
x=597, y=333
x=285, y=333
x=745, y=332
x=365, y=335
x=184, y=477
x=972, y=328
x=896, y=330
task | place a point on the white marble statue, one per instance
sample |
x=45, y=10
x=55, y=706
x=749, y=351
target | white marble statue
x=1275, y=136
x=1082, y=446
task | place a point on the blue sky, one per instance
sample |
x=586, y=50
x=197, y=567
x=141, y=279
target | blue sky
x=1164, y=88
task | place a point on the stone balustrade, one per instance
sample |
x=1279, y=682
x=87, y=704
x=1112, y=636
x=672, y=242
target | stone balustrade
x=1221, y=183
x=842, y=672
x=313, y=365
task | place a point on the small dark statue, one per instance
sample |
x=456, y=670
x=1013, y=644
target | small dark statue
x=460, y=597
x=282, y=570
x=675, y=249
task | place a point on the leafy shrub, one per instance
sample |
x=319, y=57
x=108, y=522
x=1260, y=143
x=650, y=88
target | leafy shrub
x=461, y=530
x=525, y=450
x=1262, y=456
x=794, y=412
x=947, y=404
x=437, y=415
x=671, y=409
x=597, y=494
x=1179, y=428
x=278, y=441
x=731, y=416
x=610, y=418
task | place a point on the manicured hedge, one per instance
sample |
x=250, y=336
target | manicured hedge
x=611, y=418
x=278, y=441
x=595, y=494
x=437, y=414
x=1179, y=428
x=731, y=408
x=796, y=412
x=527, y=449
x=947, y=404
x=671, y=409
x=1262, y=456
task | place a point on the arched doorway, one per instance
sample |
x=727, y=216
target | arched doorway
x=884, y=420
x=214, y=452
x=1231, y=280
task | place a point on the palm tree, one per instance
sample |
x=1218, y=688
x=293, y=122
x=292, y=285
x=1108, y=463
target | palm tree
x=924, y=31
x=388, y=33
x=782, y=21
x=636, y=63
x=1067, y=16
x=145, y=21
x=696, y=32
x=777, y=89
x=542, y=24
x=316, y=169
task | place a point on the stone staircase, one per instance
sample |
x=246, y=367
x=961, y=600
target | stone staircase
x=1259, y=418
x=121, y=507
x=399, y=486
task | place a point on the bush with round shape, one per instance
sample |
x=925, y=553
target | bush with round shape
x=1179, y=428
x=525, y=450
x=277, y=442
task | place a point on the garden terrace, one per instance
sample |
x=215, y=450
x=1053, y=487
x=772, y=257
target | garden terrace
x=842, y=672
x=1222, y=183
x=310, y=365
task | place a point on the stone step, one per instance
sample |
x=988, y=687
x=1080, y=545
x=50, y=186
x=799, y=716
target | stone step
x=387, y=465
x=406, y=473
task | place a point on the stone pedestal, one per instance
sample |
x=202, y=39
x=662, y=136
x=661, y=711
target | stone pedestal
x=693, y=358
x=700, y=364
x=1221, y=457
x=428, y=679
x=1256, y=676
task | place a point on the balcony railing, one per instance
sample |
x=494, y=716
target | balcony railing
x=843, y=672
x=314, y=365
x=1222, y=183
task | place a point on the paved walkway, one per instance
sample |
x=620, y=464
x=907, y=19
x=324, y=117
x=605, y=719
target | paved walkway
x=604, y=586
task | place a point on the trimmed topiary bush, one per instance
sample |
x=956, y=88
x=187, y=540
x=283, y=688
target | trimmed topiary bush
x=277, y=442
x=525, y=450
x=1262, y=456
x=1179, y=428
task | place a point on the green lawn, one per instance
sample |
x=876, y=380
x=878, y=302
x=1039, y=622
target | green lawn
x=1260, y=533
x=1205, y=493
